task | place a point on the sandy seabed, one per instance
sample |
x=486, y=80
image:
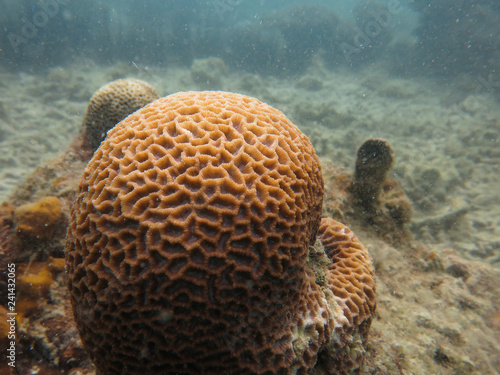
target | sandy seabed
x=438, y=295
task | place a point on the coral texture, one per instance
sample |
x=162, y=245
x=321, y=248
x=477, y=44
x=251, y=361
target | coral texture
x=188, y=247
x=351, y=275
x=111, y=104
x=351, y=279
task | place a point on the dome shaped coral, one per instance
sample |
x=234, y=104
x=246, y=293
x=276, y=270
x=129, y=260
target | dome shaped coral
x=188, y=249
x=111, y=104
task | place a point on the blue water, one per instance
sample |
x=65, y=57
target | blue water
x=268, y=37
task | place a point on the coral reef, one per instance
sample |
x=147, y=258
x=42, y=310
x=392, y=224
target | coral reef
x=396, y=206
x=111, y=104
x=188, y=249
x=437, y=294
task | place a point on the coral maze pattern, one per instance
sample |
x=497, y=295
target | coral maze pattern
x=351, y=278
x=111, y=104
x=189, y=238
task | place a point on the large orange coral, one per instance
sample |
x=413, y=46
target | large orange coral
x=188, y=246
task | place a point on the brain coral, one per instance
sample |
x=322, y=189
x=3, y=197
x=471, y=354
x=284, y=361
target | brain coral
x=189, y=247
x=111, y=104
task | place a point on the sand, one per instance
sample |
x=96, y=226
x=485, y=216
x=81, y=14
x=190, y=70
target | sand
x=439, y=295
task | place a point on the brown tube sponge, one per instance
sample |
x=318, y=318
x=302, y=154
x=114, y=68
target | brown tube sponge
x=188, y=246
x=374, y=160
x=111, y=104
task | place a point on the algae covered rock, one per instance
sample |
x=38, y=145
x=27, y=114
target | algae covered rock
x=39, y=220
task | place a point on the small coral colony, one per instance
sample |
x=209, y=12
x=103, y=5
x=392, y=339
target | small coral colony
x=190, y=228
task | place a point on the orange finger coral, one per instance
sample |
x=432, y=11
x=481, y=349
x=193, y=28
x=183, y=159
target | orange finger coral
x=188, y=249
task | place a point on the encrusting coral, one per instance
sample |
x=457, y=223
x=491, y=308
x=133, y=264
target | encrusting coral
x=38, y=221
x=111, y=104
x=192, y=248
x=34, y=283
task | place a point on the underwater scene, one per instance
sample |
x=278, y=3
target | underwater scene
x=249, y=187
